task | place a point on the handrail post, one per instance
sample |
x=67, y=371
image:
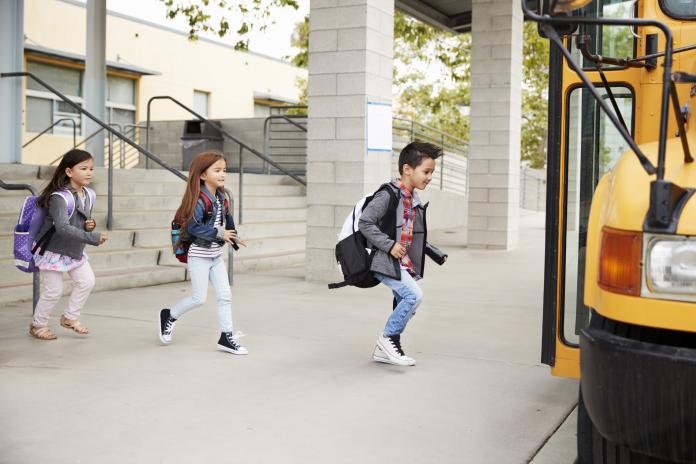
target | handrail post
x=110, y=198
x=230, y=253
x=442, y=162
x=241, y=181
x=147, y=134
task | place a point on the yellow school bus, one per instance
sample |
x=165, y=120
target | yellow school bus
x=620, y=277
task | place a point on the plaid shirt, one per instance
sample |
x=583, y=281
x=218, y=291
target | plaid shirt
x=407, y=230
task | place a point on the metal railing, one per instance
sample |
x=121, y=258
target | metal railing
x=74, y=131
x=454, y=172
x=112, y=132
x=242, y=146
x=105, y=126
x=35, y=276
x=285, y=141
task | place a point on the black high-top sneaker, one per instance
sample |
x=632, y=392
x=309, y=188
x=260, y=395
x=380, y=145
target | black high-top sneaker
x=166, y=326
x=388, y=350
x=230, y=344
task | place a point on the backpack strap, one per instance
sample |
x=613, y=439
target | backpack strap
x=91, y=194
x=67, y=195
x=208, y=206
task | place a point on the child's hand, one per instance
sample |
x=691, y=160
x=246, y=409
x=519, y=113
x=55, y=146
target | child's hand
x=90, y=224
x=229, y=235
x=398, y=251
x=103, y=237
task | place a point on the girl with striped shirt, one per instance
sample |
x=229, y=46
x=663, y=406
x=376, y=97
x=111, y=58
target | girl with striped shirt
x=208, y=225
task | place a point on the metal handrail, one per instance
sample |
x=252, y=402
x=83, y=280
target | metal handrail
x=104, y=125
x=413, y=123
x=35, y=281
x=74, y=131
x=144, y=151
x=242, y=146
x=267, y=131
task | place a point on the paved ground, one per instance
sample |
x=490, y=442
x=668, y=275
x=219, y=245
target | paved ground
x=308, y=392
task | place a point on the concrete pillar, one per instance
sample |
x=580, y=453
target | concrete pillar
x=496, y=100
x=95, y=77
x=350, y=64
x=11, y=60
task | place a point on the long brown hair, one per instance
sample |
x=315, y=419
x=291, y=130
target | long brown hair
x=193, y=188
x=60, y=179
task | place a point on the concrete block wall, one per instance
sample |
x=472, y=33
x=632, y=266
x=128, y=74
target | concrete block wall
x=165, y=142
x=350, y=62
x=494, y=160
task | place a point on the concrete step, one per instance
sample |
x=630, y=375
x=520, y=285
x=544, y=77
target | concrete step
x=156, y=218
x=118, y=240
x=9, y=172
x=250, y=230
x=105, y=280
x=247, y=264
x=174, y=188
x=255, y=249
x=99, y=260
x=13, y=203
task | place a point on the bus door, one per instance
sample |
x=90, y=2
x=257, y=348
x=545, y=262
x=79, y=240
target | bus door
x=583, y=146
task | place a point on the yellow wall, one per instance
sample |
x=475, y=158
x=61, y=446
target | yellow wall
x=229, y=76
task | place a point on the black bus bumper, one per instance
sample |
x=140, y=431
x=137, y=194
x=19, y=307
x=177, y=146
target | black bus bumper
x=640, y=395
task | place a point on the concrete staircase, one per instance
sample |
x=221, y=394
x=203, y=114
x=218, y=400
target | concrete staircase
x=138, y=252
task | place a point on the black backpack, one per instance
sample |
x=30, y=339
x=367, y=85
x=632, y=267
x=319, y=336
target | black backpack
x=352, y=252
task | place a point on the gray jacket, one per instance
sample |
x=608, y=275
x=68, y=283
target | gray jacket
x=70, y=236
x=377, y=229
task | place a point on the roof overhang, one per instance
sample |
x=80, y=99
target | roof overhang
x=451, y=15
x=80, y=59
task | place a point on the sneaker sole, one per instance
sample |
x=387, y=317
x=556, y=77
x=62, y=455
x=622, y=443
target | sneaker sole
x=230, y=350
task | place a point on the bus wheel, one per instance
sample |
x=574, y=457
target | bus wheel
x=595, y=449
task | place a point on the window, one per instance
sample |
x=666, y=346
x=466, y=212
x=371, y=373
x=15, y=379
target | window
x=611, y=41
x=43, y=108
x=685, y=9
x=593, y=147
x=200, y=102
x=120, y=100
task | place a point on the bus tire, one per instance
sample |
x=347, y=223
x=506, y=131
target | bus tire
x=595, y=449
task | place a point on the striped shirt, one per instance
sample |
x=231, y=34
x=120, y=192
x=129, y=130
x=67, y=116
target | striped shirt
x=215, y=249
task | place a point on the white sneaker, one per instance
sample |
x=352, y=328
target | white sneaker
x=388, y=350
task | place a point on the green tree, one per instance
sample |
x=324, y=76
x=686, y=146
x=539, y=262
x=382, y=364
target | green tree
x=535, y=83
x=252, y=14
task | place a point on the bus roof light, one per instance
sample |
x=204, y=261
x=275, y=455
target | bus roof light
x=566, y=6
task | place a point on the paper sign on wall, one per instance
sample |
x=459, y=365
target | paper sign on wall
x=379, y=126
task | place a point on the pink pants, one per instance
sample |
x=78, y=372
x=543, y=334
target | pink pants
x=52, y=289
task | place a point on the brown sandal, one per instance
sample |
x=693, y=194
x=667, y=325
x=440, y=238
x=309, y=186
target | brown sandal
x=42, y=333
x=73, y=325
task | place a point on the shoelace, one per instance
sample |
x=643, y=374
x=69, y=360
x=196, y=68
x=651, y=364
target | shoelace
x=231, y=339
x=396, y=343
x=168, y=326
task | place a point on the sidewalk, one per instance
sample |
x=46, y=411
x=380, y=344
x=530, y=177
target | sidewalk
x=308, y=392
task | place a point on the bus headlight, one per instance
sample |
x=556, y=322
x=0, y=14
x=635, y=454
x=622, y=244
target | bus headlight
x=671, y=265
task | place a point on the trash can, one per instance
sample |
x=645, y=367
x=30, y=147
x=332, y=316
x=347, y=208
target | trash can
x=199, y=136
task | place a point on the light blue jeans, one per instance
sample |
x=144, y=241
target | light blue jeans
x=200, y=270
x=408, y=297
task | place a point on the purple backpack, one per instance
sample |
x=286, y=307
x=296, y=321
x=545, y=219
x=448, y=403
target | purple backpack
x=31, y=219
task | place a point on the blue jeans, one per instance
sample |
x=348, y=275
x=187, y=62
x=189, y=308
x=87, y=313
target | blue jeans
x=200, y=270
x=408, y=297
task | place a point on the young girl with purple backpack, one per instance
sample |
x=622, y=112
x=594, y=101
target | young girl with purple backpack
x=60, y=243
